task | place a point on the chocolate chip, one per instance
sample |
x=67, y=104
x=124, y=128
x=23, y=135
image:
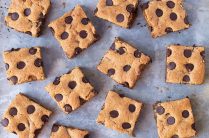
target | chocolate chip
x=185, y=113
x=31, y=109
x=168, y=30
x=109, y=2
x=160, y=110
x=126, y=68
x=175, y=136
x=58, y=97
x=13, y=79
x=32, y=51
x=125, y=84
x=202, y=54
x=83, y=34
x=173, y=16
x=45, y=118
x=38, y=62
x=121, y=51
x=20, y=65
x=110, y=72
x=6, y=66
x=13, y=111
x=72, y=84
x=186, y=78
x=170, y=4
x=21, y=127
x=169, y=52
x=68, y=108
x=145, y=6
x=159, y=12
x=132, y=108
x=27, y=12
x=171, y=120
x=114, y=113
x=85, y=80
x=171, y=65
x=85, y=21
x=120, y=18
x=130, y=8
x=186, y=21
x=5, y=122
x=189, y=67
x=14, y=16
x=78, y=50
x=68, y=20
x=56, y=81
x=126, y=125
x=187, y=53
x=193, y=126
x=137, y=53
x=64, y=35
x=55, y=128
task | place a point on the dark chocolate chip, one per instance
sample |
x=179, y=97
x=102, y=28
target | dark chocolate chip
x=202, y=54
x=14, y=16
x=193, y=126
x=171, y=120
x=38, y=62
x=13, y=79
x=5, y=122
x=137, y=53
x=13, y=111
x=125, y=84
x=56, y=81
x=85, y=21
x=171, y=65
x=64, y=35
x=110, y=72
x=175, y=136
x=173, y=16
x=168, y=30
x=145, y=6
x=58, y=97
x=27, y=12
x=160, y=110
x=31, y=109
x=68, y=20
x=185, y=114
x=6, y=66
x=170, y=4
x=83, y=34
x=72, y=84
x=169, y=52
x=68, y=108
x=186, y=21
x=187, y=53
x=121, y=51
x=85, y=80
x=189, y=67
x=120, y=18
x=45, y=118
x=130, y=8
x=55, y=128
x=186, y=78
x=21, y=127
x=32, y=51
x=132, y=108
x=159, y=12
x=126, y=125
x=114, y=113
x=78, y=50
x=20, y=65
x=126, y=68
x=109, y=2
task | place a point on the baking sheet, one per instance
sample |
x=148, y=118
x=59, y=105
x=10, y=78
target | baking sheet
x=149, y=89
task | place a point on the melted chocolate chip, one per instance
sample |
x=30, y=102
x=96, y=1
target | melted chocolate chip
x=32, y=51
x=13, y=79
x=171, y=65
x=68, y=20
x=5, y=122
x=126, y=68
x=171, y=120
x=114, y=113
x=187, y=53
x=31, y=109
x=189, y=67
x=173, y=16
x=137, y=53
x=45, y=118
x=109, y=2
x=110, y=72
x=56, y=81
x=20, y=65
x=58, y=97
x=160, y=110
x=169, y=52
x=55, y=128
x=126, y=125
x=85, y=21
x=6, y=66
x=121, y=51
x=21, y=127
x=186, y=78
x=27, y=12
x=132, y=108
x=159, y=12
x=185, y=114
x=64, y=35
x=168, y=30
x=13, y=111
x=14, y=16
x=68, y=108
x=170, y=4
x=72, y=84
x=83, y=34
x=38, y=62
x=120, y=18
x=130, y=8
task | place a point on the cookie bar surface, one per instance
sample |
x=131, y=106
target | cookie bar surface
x=119, y=113
x=165, y=16
x=74, y=31
x=175, y=119
x=123, y=63
x=24, y=65
x=25, y=117
x=185, y=64
x=119, y=12
x=27, y=16
x=71, y=90
x=68, y=132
